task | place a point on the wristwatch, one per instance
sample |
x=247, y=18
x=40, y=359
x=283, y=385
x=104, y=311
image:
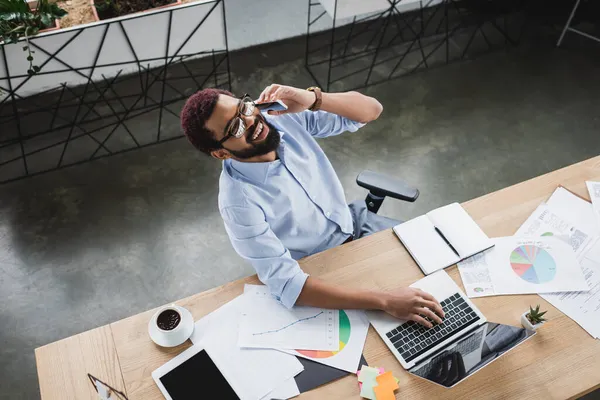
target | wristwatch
x=316, y=106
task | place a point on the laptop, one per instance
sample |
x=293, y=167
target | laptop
x=452, y=351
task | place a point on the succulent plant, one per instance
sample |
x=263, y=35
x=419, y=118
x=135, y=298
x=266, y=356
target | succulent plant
x=535, y=316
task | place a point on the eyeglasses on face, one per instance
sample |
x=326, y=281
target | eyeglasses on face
x=237, y=126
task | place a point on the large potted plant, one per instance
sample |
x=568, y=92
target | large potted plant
x=19, y=20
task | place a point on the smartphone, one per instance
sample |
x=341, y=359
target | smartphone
x=277, y=105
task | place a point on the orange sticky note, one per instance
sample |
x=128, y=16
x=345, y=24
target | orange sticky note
x=384, y=393
x=387, y=381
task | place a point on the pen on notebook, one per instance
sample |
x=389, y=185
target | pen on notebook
x=447, y=242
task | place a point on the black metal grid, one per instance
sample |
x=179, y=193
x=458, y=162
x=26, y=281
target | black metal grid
x=385, y=45
x=66, y=126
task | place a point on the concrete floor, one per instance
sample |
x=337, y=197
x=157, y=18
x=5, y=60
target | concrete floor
x=88, y=245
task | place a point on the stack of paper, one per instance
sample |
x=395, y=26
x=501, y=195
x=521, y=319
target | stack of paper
x=335, y=338
x=582, y=307
x=569, y=219
x=254, y=374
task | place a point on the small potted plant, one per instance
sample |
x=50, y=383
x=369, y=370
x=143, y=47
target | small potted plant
x=533, y=318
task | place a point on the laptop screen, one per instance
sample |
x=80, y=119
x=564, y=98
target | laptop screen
x=469, y=354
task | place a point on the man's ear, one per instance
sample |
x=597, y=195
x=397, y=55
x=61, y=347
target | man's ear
x=221, y=154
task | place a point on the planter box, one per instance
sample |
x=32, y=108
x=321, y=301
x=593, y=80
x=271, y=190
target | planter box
x=32, y=6
x=54, y=28
x=97, y=17
x=103, y=49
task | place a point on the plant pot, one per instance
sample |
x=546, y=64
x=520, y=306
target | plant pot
x=32, y=6
x=97, y=17
x=53, y=28
x=527, y=324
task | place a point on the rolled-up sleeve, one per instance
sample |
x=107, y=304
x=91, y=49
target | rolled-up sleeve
x=322, y=124
x=253, y=239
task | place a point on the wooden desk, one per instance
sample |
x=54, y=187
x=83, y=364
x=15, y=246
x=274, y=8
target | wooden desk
x=562, y=361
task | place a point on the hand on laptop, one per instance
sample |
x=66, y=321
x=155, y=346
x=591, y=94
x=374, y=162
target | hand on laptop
x=412, y=304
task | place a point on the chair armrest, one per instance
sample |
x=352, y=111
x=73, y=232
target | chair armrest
x=382, y=185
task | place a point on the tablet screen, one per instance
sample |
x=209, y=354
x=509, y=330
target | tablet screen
x=196, y=377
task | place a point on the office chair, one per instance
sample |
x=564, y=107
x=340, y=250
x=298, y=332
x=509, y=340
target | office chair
x=380, y=186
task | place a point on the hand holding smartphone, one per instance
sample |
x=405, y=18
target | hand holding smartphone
x=276, y=105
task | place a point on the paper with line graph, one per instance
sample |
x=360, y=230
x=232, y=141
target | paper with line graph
x=267, y=324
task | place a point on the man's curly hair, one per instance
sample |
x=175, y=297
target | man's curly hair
x=196, y=111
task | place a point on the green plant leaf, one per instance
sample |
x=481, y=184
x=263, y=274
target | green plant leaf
x=17, y=20
x=56, y=11
x=47, y=20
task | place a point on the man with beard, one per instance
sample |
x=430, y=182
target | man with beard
x=281, y=199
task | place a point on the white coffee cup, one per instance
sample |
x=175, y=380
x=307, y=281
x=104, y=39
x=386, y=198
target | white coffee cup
x=171, y=326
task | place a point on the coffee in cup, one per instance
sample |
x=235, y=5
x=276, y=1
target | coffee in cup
x=168, y=319
x=171, y=326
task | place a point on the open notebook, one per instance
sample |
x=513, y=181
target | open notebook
x=457, y=237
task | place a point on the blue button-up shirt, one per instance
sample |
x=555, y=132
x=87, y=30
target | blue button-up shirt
x=278, y=212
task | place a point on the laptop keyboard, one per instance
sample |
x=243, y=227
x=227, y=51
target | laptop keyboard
x=411, y=339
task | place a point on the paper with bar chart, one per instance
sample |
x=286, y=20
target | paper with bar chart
x=519, y=265
x=265, y=323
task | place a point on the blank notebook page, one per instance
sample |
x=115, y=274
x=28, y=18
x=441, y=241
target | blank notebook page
x=425, y=245
x=460, y=229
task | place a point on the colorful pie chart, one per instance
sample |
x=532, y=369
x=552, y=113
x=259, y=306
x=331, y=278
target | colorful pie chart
x=533, y=264
x=344, y=338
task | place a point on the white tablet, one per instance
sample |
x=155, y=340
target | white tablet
x=192, y=375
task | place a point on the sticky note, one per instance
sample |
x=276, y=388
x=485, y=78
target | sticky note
x=367, y=373
x=384, y=393
x=367, y=390
x=368, y=377
x=381, y=371
x=387, y=380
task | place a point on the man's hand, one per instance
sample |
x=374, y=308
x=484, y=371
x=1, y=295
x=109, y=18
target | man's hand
x=295, y=99
x=412, y=304
x=351, y=105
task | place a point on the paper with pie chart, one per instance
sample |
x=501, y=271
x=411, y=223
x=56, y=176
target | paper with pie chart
x=519, y=265
x=354, y=326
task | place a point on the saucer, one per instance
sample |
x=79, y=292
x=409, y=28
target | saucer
x=177, y=336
